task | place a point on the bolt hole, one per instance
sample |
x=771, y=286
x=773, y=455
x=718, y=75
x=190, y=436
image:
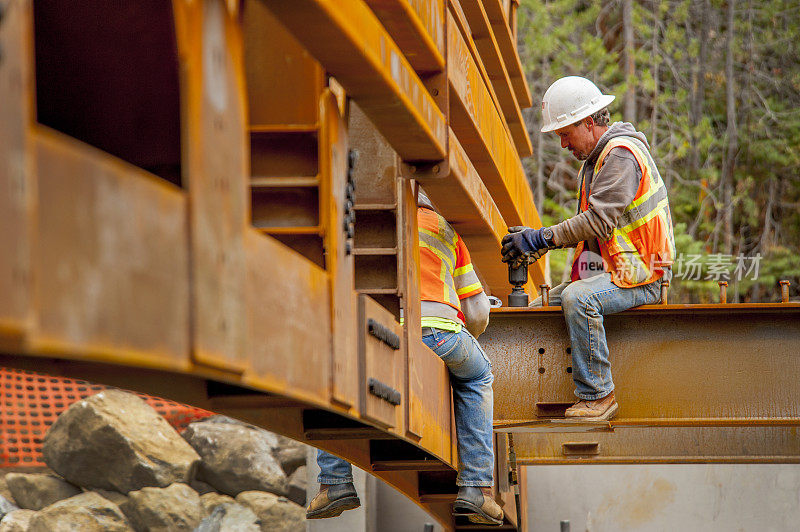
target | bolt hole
x=541, y=370
x=541, y=350
x=569, y=350
x=569, y=369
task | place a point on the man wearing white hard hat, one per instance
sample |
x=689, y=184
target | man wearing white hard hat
x=622, y=233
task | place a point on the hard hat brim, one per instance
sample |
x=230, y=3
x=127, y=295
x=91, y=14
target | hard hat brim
x=566, y=120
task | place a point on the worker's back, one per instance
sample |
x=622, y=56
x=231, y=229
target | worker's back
x=448, y=282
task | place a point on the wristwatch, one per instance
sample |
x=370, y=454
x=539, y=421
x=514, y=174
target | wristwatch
x=547, y=233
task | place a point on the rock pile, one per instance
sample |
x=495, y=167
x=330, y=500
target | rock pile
x=116, y=465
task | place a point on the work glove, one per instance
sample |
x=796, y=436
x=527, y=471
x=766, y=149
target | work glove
x=523, y=241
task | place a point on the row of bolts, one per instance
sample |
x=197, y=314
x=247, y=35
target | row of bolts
x=723, y=292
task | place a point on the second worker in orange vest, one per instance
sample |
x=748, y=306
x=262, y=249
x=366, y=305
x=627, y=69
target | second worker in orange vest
x=455, y=310
x=622, y=233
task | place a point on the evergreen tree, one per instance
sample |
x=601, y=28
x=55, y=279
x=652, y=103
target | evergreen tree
x=715, y=84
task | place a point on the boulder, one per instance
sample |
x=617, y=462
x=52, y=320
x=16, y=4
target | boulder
x=270, y=438
x=176, y=507
x=87, y=512
x=297, y=486
x=146, y=450
x=230, y=517
x=114, y=496
x=34, y=491
x=6, y=507
x=4, y=491
x=209, y=501
x=201, y=487
x=235, y=458
x=277, y=514
x=291, y=454
x=17, y=521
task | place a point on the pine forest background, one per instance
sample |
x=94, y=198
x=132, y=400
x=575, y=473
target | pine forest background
x=715, y=86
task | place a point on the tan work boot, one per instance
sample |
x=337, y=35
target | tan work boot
x=332, y=500
x=598, y=410
x=478, y=505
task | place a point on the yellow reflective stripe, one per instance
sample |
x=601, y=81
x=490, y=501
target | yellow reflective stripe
x=664, y=216
x=439, y=237
x=640, y=210
x=625, y=238
x=444, y=230
x=436, y=251
x=446, y=290
x=624, y=242
x=629, y=243
x=600, y=158
x=581, y=174
x=469, y=288
x=446, y=246
x=641, y=156
x=443, y=279
x=464, y=269
x=636, y=263
x=644, y=197
x=646, y=218
x=440, y=323
x=449, y=293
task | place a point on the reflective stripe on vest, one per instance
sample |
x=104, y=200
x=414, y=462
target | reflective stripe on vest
x=631, y=264
x=444, y=247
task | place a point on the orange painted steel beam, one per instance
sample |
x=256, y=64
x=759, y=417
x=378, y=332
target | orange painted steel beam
x=466, y=34
x=674, y=365
x=349, y=40
x=492, y=59
x=481, y=131
x=18, y=200
x=112, y=316
x=214, y=122
x=659, y=445
x=285, y=103
x=695, y=383
x=508, y=47
x=119, y=234
x=417, y=27
x=71, y=338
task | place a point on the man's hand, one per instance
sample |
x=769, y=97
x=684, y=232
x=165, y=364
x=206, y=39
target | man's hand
x=522, y=240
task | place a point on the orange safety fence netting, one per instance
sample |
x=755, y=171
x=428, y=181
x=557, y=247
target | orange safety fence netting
x=31, y=402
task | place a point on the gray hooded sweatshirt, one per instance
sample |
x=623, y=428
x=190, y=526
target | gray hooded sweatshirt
x=612, y=190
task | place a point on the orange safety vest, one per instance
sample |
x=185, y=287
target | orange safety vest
x=642, y=244
x=446, y=271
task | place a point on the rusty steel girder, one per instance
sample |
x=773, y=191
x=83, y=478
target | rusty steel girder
x=416, y=26
x=694, y=383
x=490, y=55
x=349, y=40
x=661, y=445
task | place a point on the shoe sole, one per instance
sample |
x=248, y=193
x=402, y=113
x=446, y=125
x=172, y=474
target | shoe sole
x=335, y=508
x=474, y=514
x=607, y=415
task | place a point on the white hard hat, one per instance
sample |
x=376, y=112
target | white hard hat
x=571, y=99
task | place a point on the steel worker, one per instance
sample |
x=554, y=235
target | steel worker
x=455, y=310
x=623, y=233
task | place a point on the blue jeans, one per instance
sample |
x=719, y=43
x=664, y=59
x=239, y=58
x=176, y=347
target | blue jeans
x=332, y=469
x=584, y=304
x=471, y=378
